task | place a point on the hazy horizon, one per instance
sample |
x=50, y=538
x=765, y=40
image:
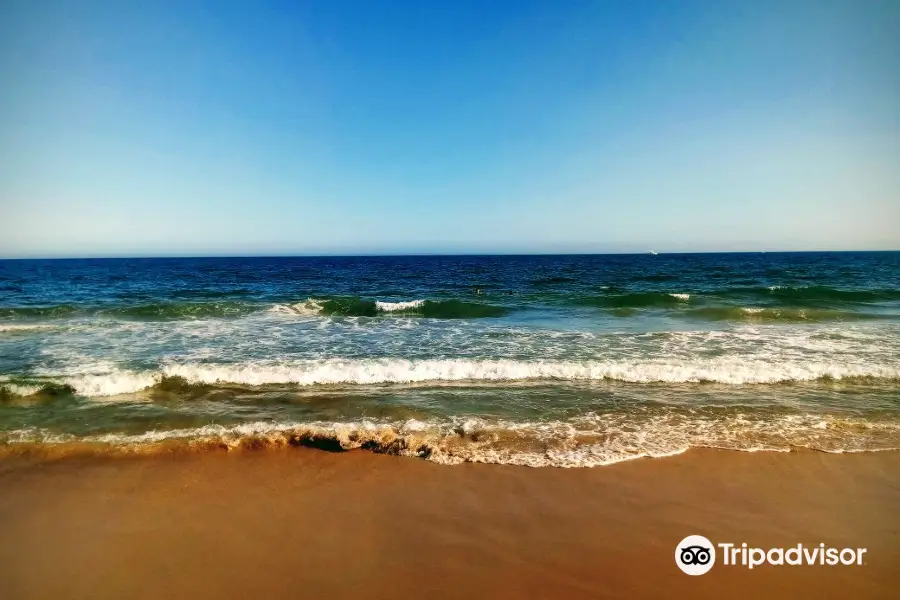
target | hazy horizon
x=385, y=128
x=433, y=254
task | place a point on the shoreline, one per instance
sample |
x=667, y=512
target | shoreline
x=301, y=522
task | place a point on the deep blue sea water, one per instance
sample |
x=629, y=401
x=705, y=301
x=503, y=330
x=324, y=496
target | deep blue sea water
x=537, y=360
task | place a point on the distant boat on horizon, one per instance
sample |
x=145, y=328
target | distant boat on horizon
x=653, y=253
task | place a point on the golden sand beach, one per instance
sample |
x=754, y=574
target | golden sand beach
x=304, y=523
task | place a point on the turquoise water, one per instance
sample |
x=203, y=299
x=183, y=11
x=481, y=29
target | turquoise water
x=537, y=360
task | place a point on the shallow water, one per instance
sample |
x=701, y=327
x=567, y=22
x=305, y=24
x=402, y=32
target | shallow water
x=538, y=360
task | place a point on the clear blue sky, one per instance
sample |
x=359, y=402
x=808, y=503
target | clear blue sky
x=181, y=127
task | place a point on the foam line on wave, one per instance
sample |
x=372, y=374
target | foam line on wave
x=731, y=371
x=588, y=441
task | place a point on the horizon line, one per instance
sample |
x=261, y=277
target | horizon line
x=430, y=254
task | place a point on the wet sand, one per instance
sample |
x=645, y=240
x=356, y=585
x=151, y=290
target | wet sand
x=304, y=523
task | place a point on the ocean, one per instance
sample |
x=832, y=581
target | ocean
x=567, y=361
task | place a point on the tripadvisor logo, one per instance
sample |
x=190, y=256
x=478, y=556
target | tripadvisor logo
x=696, y=555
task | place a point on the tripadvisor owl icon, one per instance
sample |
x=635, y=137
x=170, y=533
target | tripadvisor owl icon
x=695, y=555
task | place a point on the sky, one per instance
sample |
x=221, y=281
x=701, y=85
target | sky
x=181, y=127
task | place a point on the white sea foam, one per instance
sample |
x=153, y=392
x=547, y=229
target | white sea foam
x=730, y=371
x=313, y=307
x=398, y=306
x=19, y=389
x=308, y=308
x=22, y=389
x=733, y=371
x=112, y=384
x=681, y=296
x=23, y=327
x=587, y=441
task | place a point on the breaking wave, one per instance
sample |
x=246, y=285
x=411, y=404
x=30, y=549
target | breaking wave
x=730, y=371
x=774, y=303
x=360, y=307
x=12, y=392
x=587, y=441
x=412, y=305
x=22, y=328
x=345, y=306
